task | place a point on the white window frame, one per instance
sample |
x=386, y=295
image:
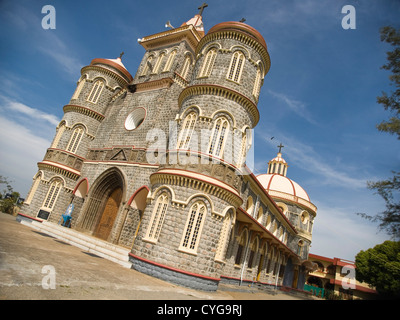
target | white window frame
x=193, y=228
x=224, y=237
x=257, y=84
x=158, y=63
x=236, y=67
x=96, y=91
x=157, y=218
x=186, y=66
x=146, y=66
x=78, y=89
x=52, y=195
x=187, y=130
x=208, y=63
x=170, y=60
x=218, y=137
x=75, y=139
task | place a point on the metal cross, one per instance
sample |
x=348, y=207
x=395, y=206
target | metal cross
x=280, y=147
x=121, y=54
x=201, y=8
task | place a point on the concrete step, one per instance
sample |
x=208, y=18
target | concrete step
x=85, y=242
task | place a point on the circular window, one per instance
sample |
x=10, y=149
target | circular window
x=135, y=119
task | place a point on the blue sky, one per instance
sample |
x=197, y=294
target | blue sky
x=318, y=99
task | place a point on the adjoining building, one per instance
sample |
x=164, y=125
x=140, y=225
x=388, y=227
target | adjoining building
x=155, y=163
x=337, y=276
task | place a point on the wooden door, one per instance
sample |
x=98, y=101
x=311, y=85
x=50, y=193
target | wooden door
x=109, y=214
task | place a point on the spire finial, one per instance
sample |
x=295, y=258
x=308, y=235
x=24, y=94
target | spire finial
x=121, y=54
x=280, y=147
x=201, y=8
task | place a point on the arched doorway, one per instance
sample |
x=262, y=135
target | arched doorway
x=109, y=214
x=102, y=206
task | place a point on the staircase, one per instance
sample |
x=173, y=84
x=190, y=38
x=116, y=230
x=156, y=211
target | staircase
x=90, y=244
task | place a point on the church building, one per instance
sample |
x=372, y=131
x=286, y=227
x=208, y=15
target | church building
x=155, y=163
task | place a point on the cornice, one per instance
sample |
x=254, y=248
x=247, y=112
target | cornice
x=239, y=36
x=60, y=169
x=203, y=89
x=117, y=77
x=83, y=110
x=176, y=35
x=197, y=181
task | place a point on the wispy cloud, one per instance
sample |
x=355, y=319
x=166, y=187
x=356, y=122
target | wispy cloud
x=14, y=106
x=308, y=159
x=48, y=42
x=296, y=106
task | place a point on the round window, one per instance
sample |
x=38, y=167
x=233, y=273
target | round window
x=135, y=119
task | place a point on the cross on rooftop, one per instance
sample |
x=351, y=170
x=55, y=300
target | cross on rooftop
x=201, y=8
x=121, y=54
x=280, y=147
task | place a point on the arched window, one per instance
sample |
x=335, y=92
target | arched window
x=241, y=247
x=257, y=84
x=147, y=66
x=236, y=67
x=52, y=195
x=170, y=60
x=224, y=236
x=157, y=218
x=186, y=66
x=75, y=140
x=60, y=131
x=194, y=225
x=158, y=63
x=253, y=252
x=34, y=188
x=246, y=139
x=78, y=89
x=250, y=205
x=218, y=137
x=187, y=130
x=208, y=63
x=96, y=91
x=268, y=222
x=260, y=214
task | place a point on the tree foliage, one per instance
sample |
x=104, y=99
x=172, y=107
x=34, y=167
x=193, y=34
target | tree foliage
x=380, y=267
x=389, y=189
x=391, y=102
x=7, y=203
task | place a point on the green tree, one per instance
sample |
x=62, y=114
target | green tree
x=8, y=198
x=380, y=267
x=391, y=102
x=389, y=189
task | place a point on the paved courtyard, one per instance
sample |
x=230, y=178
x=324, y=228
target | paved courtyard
x=35, y=266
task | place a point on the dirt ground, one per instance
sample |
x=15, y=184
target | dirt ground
x=35, y=266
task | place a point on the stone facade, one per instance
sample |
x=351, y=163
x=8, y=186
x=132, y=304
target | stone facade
x=154, y=162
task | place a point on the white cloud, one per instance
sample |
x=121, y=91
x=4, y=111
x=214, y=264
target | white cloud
x=305, y=157
x=14, y=106
x=340, y=233
x=20, y=149
x=295, y=105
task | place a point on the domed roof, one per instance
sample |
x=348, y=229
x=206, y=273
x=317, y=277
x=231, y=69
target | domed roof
x=115, y=63
x=280, y=183
x=239, y=26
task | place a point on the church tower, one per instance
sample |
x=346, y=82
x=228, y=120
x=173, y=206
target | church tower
x=156, y=163
x=196, y=191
